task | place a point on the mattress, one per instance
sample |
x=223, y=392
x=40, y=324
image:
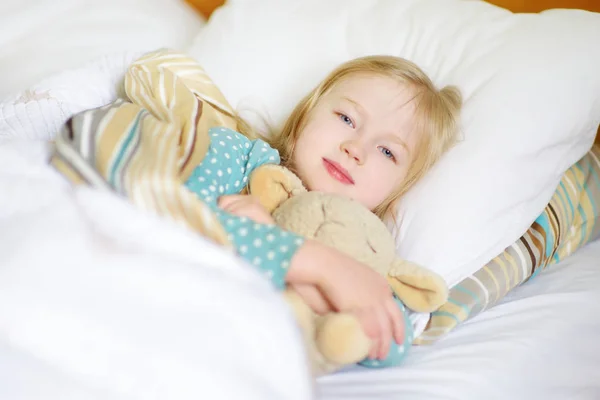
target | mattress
x=540, y=342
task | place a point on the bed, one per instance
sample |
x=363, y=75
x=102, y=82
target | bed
x=99, y=300
x=539, y=343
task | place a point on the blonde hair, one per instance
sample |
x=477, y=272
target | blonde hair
x=436, y=114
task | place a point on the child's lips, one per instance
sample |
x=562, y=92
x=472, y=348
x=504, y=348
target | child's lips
x=337, y=172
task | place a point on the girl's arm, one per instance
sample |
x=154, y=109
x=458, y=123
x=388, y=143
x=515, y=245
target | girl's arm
x=346, y=284
x=353, y=287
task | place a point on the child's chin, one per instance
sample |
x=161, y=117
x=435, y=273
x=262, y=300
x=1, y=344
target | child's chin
x=333, y=187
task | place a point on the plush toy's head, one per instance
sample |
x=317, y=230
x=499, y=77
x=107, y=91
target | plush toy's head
x=340, y=223
x=349, y=227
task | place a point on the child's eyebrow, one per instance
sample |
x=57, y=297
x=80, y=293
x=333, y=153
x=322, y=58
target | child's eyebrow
x=356, y=104
x=402, y=143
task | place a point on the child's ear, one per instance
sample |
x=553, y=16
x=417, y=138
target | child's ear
x=418, y=288
x=273, y=184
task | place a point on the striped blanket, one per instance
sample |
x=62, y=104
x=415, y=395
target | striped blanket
x=145, y=147
x=569, y=221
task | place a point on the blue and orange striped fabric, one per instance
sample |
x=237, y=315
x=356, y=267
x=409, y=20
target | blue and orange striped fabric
x=570, y=220
x=145, y=146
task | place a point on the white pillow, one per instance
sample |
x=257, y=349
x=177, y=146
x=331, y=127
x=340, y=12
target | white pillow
x=42, y=37
x=531, y=85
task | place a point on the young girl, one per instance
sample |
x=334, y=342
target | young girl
x=368, y=131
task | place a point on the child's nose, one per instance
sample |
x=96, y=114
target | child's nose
x=354, y=150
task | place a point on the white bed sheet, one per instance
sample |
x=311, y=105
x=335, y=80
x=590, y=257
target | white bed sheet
x=541, y=342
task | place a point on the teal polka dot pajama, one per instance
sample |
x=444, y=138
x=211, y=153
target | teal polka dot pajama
x=229, y=161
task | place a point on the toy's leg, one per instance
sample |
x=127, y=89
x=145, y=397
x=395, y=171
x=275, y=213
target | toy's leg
x=341, y=339
x=397, y=351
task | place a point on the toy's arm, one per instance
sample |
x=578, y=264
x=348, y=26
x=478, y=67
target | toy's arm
x=419, y=288
x=273, y=184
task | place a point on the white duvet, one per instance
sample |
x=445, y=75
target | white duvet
x=99, y=301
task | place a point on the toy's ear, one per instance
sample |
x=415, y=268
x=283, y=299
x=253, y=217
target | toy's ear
x=418, y=288
x=273, y=184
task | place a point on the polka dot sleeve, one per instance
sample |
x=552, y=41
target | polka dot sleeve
x=230, y=159
x=267, y=247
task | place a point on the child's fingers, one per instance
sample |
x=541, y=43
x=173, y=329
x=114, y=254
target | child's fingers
x=239, y=205
x=397, y=321
x=228, y=201
x=386, y=333
x=382, y=325
x=374, y=350
x=371, y=325
x=245, y=206
x=313, y=298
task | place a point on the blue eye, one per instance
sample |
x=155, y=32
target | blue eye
x=347, y=120
x=387, y=153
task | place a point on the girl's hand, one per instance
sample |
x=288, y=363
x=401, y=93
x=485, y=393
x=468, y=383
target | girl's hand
x=313, y=297
x=359, y=289
x=351, y=286
x=246, y=206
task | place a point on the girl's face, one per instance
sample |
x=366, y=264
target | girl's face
x=359, y=140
